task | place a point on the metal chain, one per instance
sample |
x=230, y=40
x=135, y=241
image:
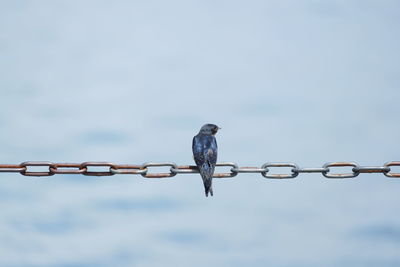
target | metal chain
x=109, y=169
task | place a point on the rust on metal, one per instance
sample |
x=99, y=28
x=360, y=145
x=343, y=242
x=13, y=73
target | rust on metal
x=26, y=168
x=38, y=164
x=372, y=169
x=127, y=169
x=85, y=165
x=67, y=168
x=389, y=164
x=12, y=168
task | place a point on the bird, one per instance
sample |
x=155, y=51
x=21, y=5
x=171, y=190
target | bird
x=205, y=152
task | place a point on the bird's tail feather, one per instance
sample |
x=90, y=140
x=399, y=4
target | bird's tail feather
x=206, y=172
x=208, y=186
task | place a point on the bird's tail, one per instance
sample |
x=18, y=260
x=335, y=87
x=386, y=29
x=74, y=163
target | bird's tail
x=208, y=186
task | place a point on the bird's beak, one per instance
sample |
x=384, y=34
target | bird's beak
x=219, y=128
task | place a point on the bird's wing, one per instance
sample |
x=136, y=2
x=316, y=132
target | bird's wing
x=212, y=152
x=198, y=147
x=205, y=154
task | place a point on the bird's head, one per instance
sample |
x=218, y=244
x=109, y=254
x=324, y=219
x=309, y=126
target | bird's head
x=209, y=129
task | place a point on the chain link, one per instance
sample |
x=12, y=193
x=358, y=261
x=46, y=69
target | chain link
x=108, y=165
x=266, y=166
x=127, y=169
x=67, y=168
x=27, y=169
x=353, y=174
x=391, y=174
x=27, y=164
x=160, y=174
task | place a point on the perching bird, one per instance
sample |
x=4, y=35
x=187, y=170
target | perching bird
x=205, y=152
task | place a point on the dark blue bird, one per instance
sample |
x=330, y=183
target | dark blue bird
x=205, y=151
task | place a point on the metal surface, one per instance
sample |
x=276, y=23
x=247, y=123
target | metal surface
x=12, y=168
x=392, y=174
x=108, y=165
x=127, y=169
x=160, y=174
x=248, y=170
x=310, y=170
x=67, y=168
x=226, y=174
x=109, y=169
x=375, y=169
x=36, y=163
x=268, y=165
x=329, y=165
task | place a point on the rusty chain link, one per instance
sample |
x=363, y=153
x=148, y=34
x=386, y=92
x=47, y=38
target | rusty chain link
x=109, y=169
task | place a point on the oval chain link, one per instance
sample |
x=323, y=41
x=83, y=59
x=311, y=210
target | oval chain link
x=392, y=174
x=85, y=165
x=231, y=174
x=127, y=169
x=67, y=168
x=267, y=165
x=145, y=173
x=340, y=175
x=27, y=164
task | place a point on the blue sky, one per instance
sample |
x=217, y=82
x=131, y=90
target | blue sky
x=132, y=82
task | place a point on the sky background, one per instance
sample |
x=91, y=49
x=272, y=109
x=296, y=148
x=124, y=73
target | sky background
x=133, y=81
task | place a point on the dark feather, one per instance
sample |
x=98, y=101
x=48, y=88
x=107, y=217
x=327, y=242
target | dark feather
x=205, y=152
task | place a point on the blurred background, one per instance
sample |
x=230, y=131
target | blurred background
x=133, y=81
